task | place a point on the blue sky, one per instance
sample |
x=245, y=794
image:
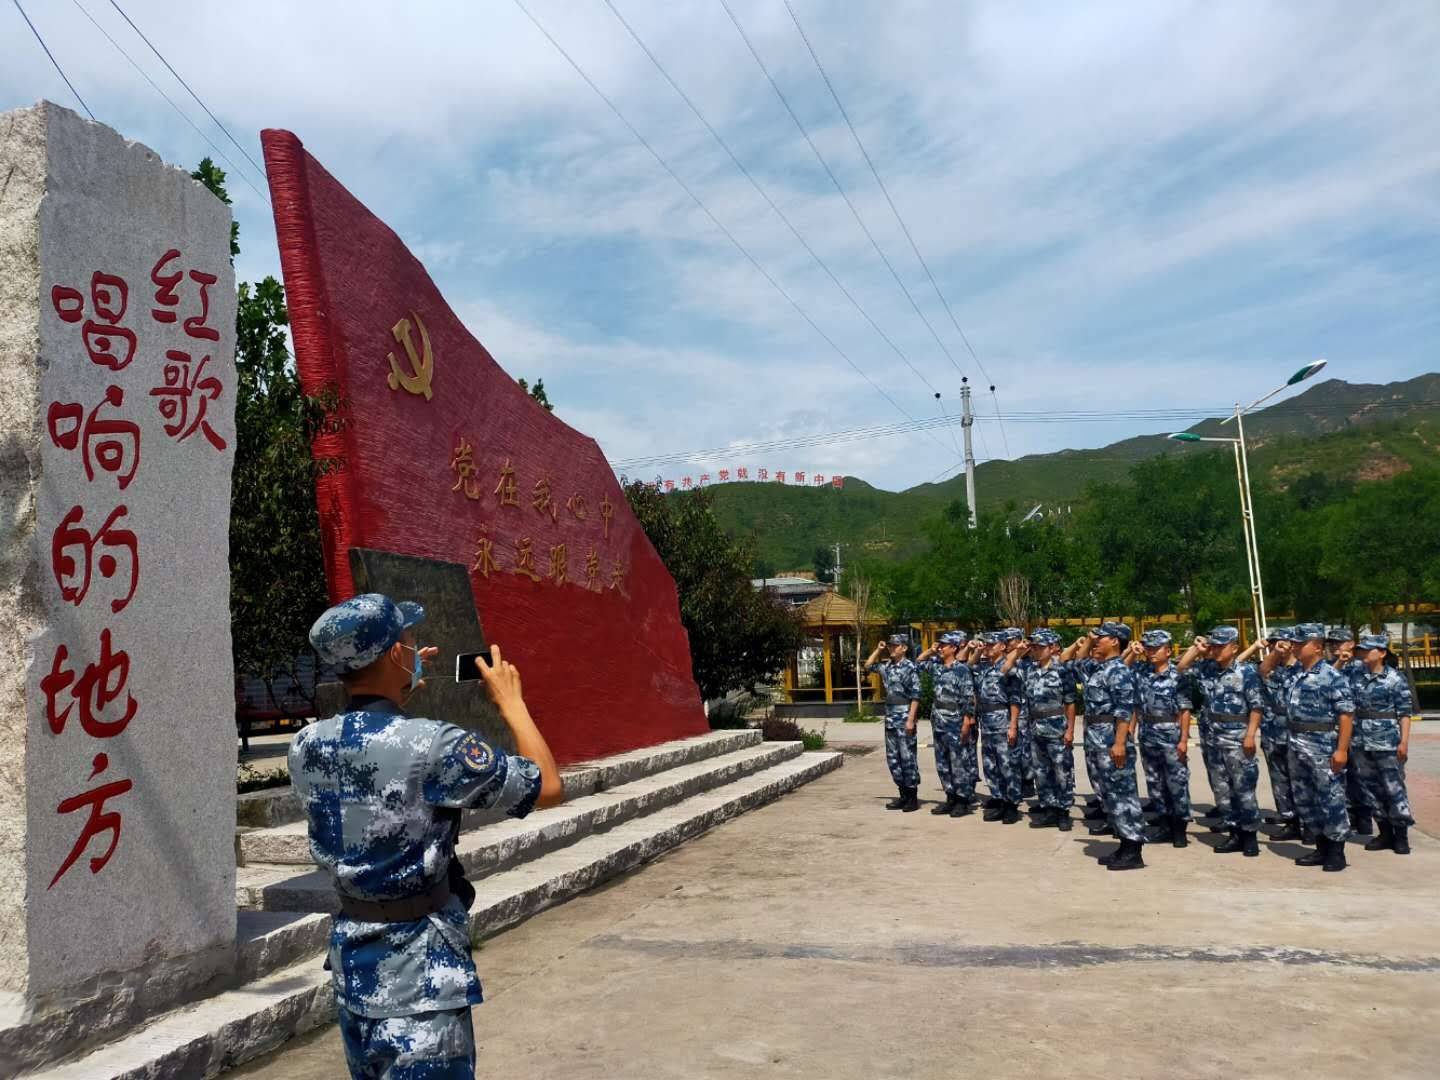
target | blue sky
x=1136, y=205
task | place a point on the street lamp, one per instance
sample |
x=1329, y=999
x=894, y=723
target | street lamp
x=1242, y=476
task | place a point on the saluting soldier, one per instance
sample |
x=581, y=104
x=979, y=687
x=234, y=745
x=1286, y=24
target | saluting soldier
x=1015, y=637
x=1220, y=813
x=997, y=708
x=1381, y=743
x=1164, y=736
x=384, y=792
x=1073, y=656
x=1320, y=706
x=1049, y=690
x=954, y=701
x=902, y=703
x=1234, y=708
x=1111, y=701
x=1340, y=652
x=1275, y=733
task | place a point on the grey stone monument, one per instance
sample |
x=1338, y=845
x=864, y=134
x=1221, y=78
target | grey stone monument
x=117, y=437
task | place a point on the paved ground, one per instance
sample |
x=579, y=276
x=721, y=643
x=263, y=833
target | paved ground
x=822, y=937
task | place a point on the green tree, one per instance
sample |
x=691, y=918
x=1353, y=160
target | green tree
x=277, y=576
x=740, y=637
x=537, y=393
x=213, y=177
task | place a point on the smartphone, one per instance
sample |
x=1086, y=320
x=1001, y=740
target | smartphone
x=465, y=669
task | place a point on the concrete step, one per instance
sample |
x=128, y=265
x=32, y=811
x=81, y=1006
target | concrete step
x=275, y=879
x=264, y=811
x=231, y=1028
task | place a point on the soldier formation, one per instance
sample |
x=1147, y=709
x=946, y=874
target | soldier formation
x=1331, y=717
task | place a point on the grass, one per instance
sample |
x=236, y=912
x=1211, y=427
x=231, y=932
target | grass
x=249, y=778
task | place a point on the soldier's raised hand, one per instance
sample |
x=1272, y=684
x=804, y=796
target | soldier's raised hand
x=502, y=679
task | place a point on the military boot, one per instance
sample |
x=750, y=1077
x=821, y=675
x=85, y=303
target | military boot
x=992, y=802
x=1101, y=828
x=1164, y=829
x=1401, y=846
x=1128, y=857
x=1177, y=831
x=1011, y=815
x=897, y=802
x=1250, y=843
x=1235, y=843
x=1094, y=813
x=945, y=807
x=1316, y=857
x=1045, y=819
x=961, y=808
x=1335, y=856
x=1092, y=803
x=910, y=803
x=1361, y=823
x=1213, y=814
x=1382, y=841
x=1106, y=860
x=1062, y=819
x=1289, y=831
x=994, y=813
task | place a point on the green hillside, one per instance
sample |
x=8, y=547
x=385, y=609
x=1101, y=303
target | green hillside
x=1353, y=429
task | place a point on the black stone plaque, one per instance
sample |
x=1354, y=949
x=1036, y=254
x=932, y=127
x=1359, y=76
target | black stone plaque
x=451, y=624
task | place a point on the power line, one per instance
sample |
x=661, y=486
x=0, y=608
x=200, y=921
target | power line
x=795, y=18
x=258, y=170
x=1170, y=417
x=53, y=61
x=1005, y=439
x=156, y=86
x=838, y=187
x=707, y=212
x=763, y=193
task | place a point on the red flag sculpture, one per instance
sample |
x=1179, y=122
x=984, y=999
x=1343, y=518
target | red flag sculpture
x=436, y=452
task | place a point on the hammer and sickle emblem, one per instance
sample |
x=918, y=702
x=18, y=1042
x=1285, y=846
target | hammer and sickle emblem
x=422, y=367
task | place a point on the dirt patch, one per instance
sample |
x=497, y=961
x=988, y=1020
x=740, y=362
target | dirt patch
x=1381, y=467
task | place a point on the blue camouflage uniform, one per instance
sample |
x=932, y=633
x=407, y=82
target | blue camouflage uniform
x=1111, y=696
x=1314, y=702
x=383, y=792
x=995, y=692
x=1354, y=790
x=1164, y=698
x=955, y=761
x=1049, y=691
x=1024, y=729
x=1382, y=701
x=902, y=686
x=1232, y=696
x=1275, y=736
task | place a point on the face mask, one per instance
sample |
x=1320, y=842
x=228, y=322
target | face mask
x=415, y=672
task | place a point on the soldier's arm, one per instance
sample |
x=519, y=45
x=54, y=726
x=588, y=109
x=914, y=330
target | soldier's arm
x=1249, y=651
x=502, y=679
x=1190, y=655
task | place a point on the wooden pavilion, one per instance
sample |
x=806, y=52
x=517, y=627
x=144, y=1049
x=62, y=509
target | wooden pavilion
x=819, y=680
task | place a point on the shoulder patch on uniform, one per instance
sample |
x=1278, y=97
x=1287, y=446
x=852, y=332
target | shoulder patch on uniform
x=476, y=754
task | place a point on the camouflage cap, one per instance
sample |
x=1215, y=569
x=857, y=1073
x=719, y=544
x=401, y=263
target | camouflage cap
x=1223, y=635
x=897, y=639
x=953, y=637
x=992, y=637
x=1338, y=633
x=1306, y=631
x=1045, y=636
x=1373, y=641
x=356, y=632
x=1116, y=630
x=1153, y=639
x=1278, y=633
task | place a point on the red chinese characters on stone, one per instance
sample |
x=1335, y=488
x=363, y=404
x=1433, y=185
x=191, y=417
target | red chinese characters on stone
x=111, y=443
x=100, y=821
x=167, y=296
x=107, y=342
x=97, y=690
x=185, y=395
x=73, y=559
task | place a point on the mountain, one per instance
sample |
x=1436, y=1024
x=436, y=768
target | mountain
x=1360, y=429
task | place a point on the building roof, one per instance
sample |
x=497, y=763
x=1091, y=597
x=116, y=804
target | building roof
x=832, y=609
x=784, y=582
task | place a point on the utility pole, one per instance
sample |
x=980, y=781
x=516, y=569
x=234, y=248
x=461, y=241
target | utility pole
x=837, y=564
x=967, y=421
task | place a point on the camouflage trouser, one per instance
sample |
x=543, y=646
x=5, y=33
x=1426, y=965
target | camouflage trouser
x=1239, y=777
x=1117, y=785
x=900, y=751
x=1319, y=791
x=427, y=1045
x=1097, y=740
x=1054, y=766
x=1023, y=742
x=1214, y=770
x=1170, y=786
x=1355, y=797
x=1382, y=775
x=1002, y=761
x=954, y=756
x=1277, y=764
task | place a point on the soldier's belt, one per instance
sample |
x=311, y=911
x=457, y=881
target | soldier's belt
x=901, y=704
x=406, y=909
x=1221, y=718
x=1045, y=714
x=1296, y=725
x=1110, y=720
x=1376, y=716
x=1162, y=718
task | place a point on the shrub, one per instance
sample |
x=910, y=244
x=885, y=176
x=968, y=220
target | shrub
x=861, y=716
x=781, y=730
